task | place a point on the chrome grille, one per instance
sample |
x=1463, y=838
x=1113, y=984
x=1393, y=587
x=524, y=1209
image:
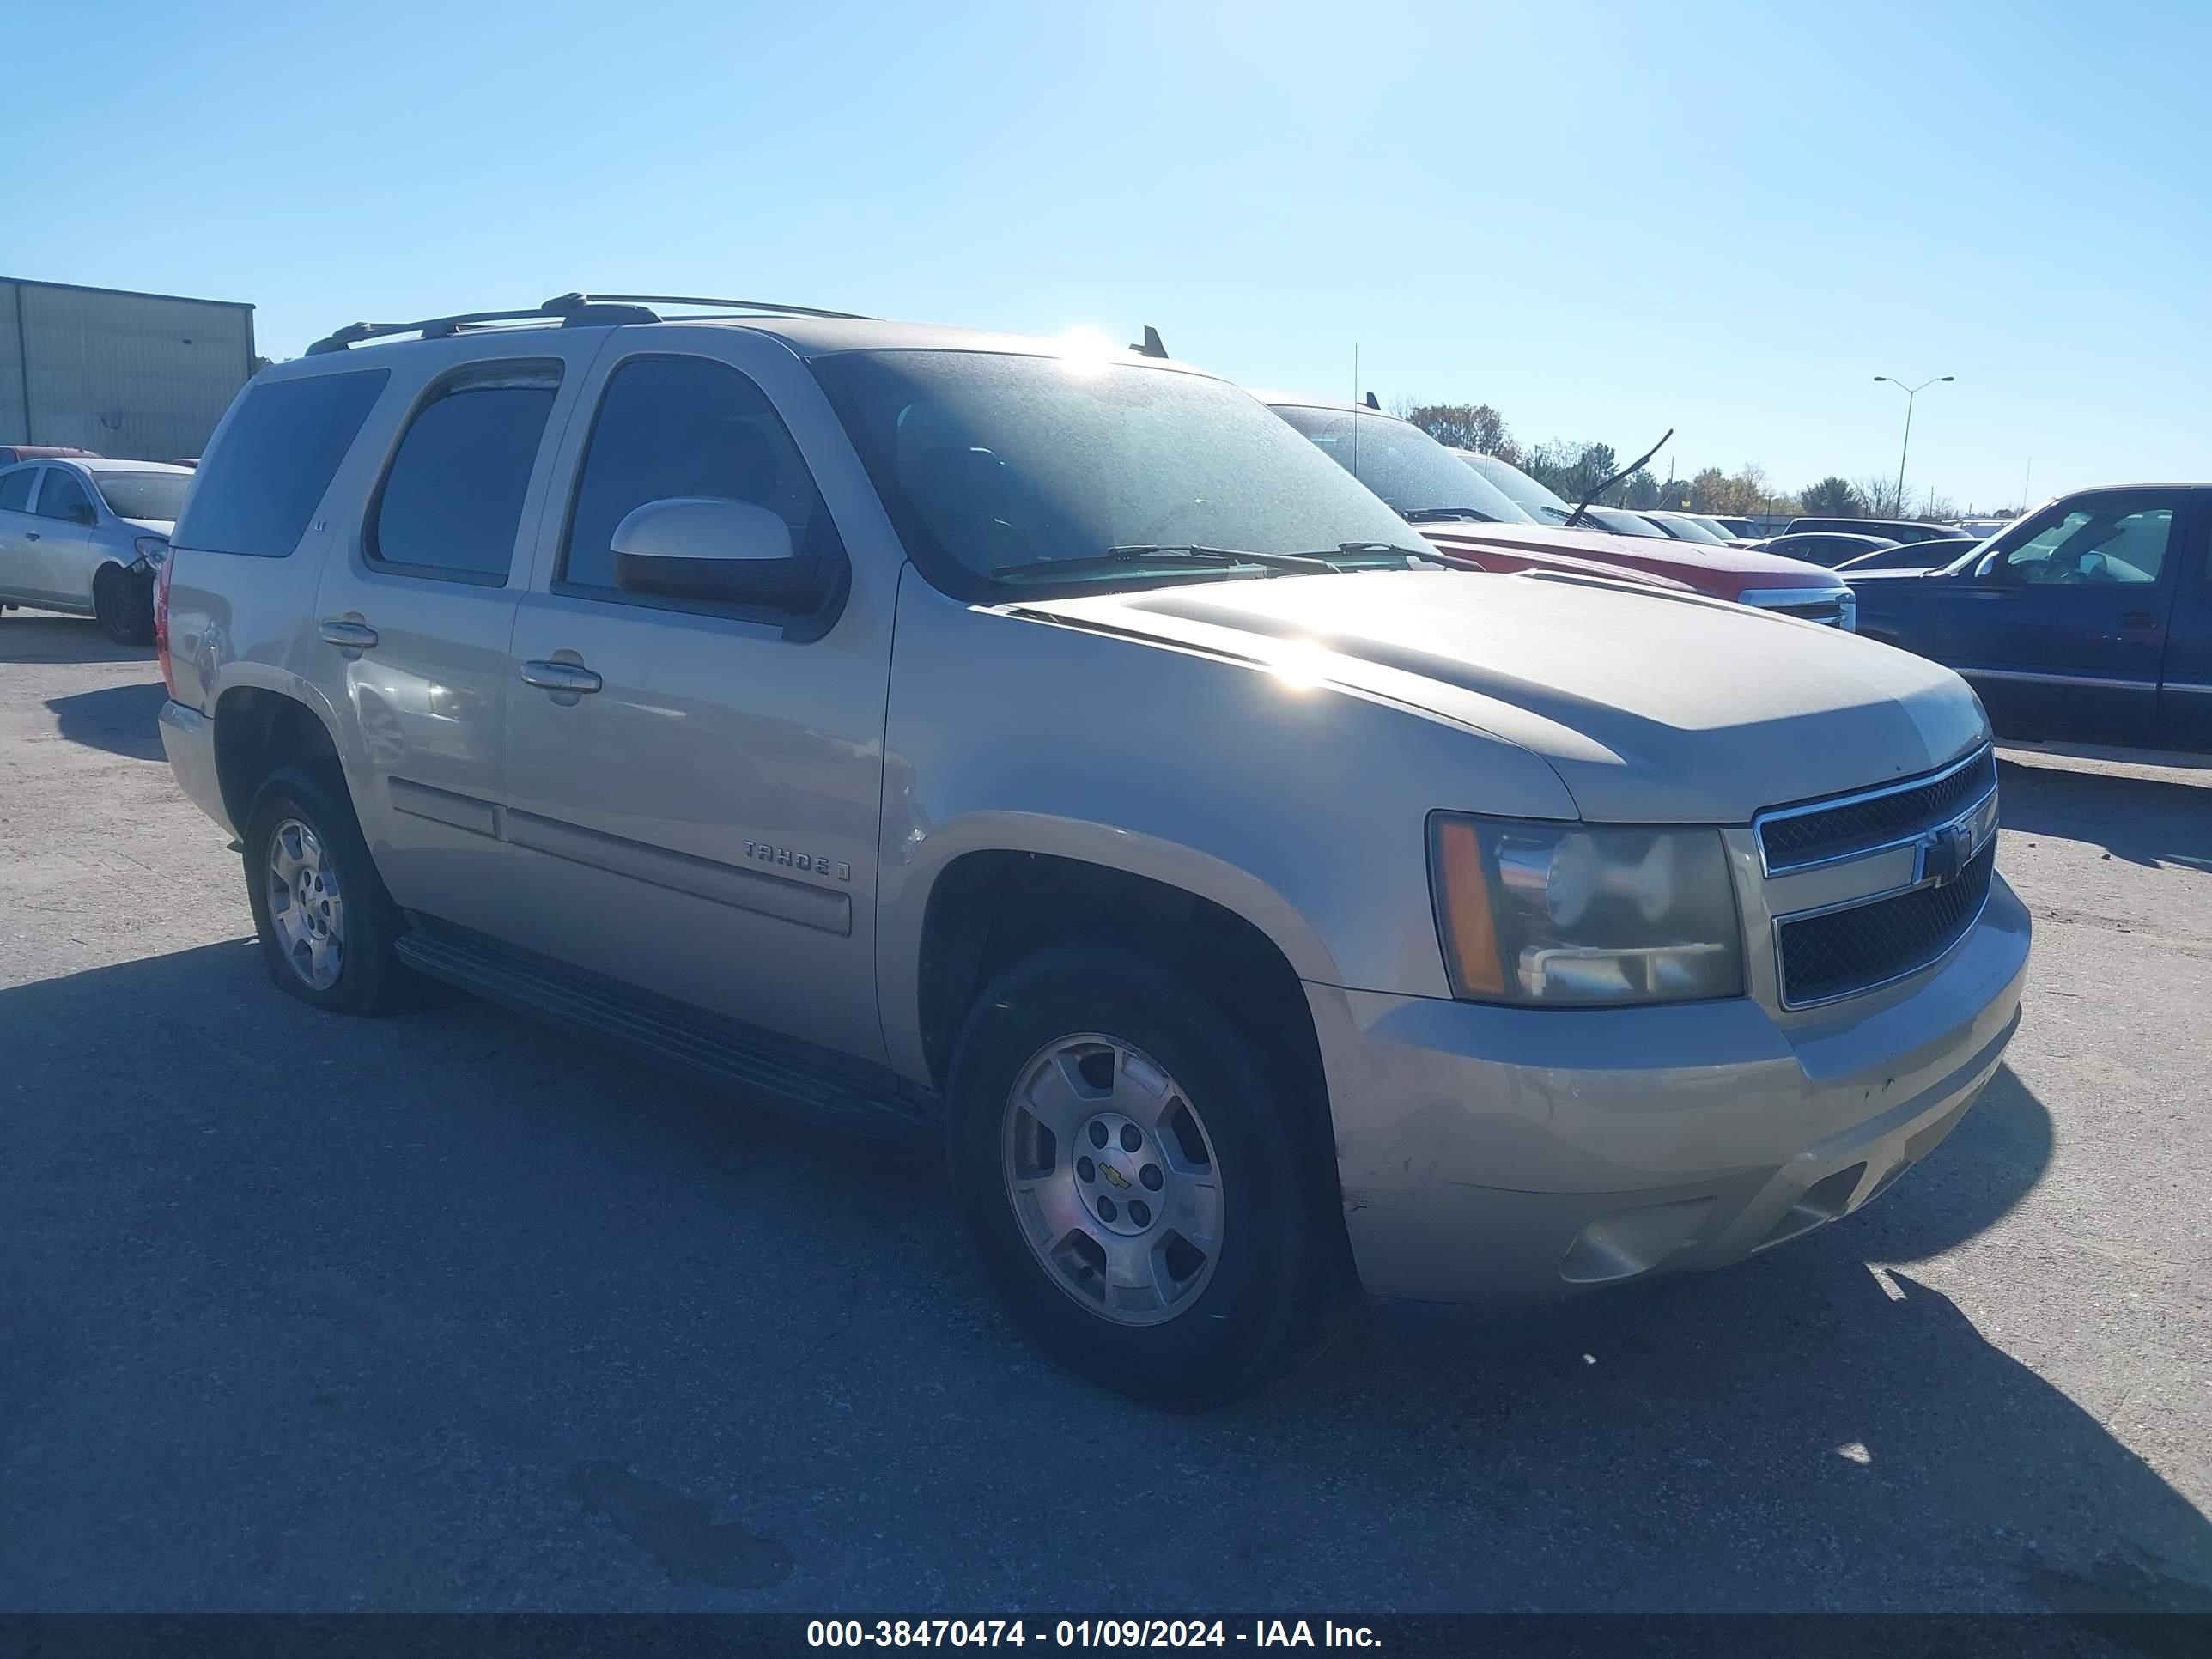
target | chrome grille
x=1798, y=838
x=1843, y=951
x=1832, y=607
x=1827, y=608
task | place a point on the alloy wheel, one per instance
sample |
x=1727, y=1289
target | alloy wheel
x=1113, y=1179
x=306, y=909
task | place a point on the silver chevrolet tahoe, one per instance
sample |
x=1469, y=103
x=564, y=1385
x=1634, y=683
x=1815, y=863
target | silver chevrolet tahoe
x=1047, y=746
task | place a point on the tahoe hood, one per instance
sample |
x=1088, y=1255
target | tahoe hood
x=1651, y=707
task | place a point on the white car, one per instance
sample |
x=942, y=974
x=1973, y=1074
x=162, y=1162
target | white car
x=87, y=535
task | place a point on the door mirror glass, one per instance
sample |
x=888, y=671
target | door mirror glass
x=712, y=548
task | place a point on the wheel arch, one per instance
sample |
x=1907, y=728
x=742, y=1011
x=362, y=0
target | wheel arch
x=987, y=906
x=913, y=901
x=260, y=727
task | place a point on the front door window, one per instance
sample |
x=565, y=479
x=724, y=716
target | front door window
x=2094, y=544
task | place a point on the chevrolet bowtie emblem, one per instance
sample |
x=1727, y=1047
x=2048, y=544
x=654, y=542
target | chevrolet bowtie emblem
x=1944, y=851
x=1113, y=1175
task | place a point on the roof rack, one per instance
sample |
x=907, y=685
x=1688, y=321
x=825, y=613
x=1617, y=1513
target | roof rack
x=570, y=310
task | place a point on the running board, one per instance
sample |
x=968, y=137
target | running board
x=772, y=1072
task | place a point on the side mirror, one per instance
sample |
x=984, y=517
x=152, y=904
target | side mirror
x=708, y=548
x=84, y=513
x=1985, y=568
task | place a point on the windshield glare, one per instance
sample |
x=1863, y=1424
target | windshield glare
x=988, y=460
x=144, y=494
x=1401, y=463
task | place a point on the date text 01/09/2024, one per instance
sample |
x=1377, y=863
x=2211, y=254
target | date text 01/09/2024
x=1084, y=1634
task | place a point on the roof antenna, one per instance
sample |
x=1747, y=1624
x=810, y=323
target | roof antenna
x=1150, y=346
x=1355, y=409
x=1374, y=402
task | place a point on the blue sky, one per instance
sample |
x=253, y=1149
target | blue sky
x=1606, y=219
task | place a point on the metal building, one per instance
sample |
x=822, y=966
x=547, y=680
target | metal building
x=138, y=376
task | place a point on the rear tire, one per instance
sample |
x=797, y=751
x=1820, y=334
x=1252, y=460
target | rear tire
x=326, y=926
x=1185, y=1266
x=123, y=607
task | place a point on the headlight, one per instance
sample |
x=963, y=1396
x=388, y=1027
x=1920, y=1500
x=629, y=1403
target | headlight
x=1566, y=914
x=152, y=548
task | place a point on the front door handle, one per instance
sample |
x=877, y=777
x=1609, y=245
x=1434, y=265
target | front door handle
x=556, y=677
x=31, y=536
x=351, y=637
x=2139, y=619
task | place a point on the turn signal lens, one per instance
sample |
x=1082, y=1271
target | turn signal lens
x=1463, y=896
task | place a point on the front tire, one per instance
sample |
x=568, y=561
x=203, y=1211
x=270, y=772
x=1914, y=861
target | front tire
x=123, y=604
x=1139, y=1186
x=326, y=926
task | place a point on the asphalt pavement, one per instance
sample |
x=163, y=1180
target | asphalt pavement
x=458, y=1311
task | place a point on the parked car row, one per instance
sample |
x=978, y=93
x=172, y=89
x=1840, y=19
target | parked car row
x=1480, y=511
x=1062, y=754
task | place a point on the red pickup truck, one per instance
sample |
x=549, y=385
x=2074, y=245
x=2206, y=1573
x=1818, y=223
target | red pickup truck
x=1471, y=517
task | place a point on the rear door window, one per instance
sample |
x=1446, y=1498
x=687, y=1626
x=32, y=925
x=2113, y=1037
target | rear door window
x=451, y=502
x=268, y=470
x=15, y=489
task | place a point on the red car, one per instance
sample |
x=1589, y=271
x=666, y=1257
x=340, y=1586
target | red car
x=1468, y=512
x=11, y=454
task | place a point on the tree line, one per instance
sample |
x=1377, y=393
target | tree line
x=1572, y=469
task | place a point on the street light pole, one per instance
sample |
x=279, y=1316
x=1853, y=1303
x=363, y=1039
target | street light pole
x=1910, y=393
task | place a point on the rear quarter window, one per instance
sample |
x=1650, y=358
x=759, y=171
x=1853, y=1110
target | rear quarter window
x=262, y=481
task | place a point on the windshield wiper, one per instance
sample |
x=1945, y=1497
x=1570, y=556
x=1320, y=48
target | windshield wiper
x=1436, y=515
x=1158, y=553
x=1583, y=505
x=1370, y=550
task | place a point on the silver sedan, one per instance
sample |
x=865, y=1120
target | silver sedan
x=86, y=535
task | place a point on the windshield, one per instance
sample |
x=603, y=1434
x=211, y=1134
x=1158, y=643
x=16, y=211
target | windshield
x=1690, y=530
x=1619, y=523
x=990, y=462
x=1402, y=465
x=1525, y=493
x=144, y=494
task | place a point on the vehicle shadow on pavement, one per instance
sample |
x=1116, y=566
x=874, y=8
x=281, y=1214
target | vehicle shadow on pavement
x=43, y=636
x=123, y=719
x=456, y=1310
x=2148, y=821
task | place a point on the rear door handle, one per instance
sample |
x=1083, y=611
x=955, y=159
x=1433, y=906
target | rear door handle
x=2139, y=619
x=30, y=536
x=350, y=636
x=572, y=677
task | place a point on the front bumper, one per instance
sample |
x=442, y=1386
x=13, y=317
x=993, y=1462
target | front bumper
x=188, y=739
x=1491, y=1154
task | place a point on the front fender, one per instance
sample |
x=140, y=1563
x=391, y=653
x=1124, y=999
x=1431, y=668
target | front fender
x=1300, y=807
